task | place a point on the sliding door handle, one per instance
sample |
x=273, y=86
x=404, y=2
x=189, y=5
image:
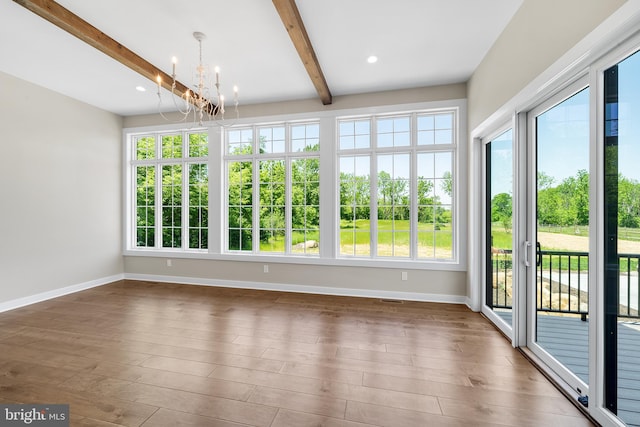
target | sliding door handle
x=538, y=254
x=526, y=245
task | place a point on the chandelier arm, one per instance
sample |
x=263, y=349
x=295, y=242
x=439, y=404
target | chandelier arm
x=184, y=116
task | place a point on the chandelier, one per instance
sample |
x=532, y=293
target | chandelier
x=199, y=102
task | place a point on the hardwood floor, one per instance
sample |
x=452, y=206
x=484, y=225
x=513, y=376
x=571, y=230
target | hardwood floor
x=149, y=354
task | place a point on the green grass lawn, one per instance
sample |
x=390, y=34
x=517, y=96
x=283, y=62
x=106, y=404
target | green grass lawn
x=389, y=233
x=503, y=240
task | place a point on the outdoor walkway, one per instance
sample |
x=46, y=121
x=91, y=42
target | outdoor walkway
x=566, y=338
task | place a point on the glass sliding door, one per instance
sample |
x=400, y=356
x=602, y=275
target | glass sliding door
x=621, y=226
x=557, y=280
x=499, y=227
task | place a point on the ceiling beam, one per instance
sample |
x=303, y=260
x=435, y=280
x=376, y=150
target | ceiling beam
x=292, y=21
x=74, y=25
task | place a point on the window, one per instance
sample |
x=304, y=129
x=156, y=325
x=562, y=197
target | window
x=273, y=185
x=171, y=187
x=388, y=189
x=402, y=172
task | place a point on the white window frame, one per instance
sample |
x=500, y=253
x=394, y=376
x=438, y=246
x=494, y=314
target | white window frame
x=255, y=158
x=413, y=149
x=158, y=163
x=329, y=194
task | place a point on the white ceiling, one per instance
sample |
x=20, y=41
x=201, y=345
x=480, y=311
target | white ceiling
x=418, y=42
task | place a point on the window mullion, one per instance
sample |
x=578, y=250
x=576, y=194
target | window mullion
x=373, y=195
x=287, y=204
x=185, y=192
x=329, y=191
x=255, y=204
x=413, y=191
x=158, y=204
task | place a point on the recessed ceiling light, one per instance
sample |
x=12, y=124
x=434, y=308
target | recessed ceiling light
x=141, y=89
x=372, y=59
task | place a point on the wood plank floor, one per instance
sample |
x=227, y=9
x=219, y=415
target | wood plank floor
x=148, y=354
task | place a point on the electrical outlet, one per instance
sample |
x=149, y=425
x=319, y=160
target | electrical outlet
x=266, y=268
x=169, y=263
x=404, y=275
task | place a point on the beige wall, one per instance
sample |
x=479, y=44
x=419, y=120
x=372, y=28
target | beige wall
x=540, y=32
x=406, y=96
x=60, y=198
x=365, y=280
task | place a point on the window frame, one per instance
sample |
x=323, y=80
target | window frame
x=256, y=158
x=328, y=182
x=158, y=163
x=413, y=149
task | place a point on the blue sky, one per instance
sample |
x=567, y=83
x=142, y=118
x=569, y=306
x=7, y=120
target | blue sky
x=563, y=138
x=502, y=164
x=629, y=117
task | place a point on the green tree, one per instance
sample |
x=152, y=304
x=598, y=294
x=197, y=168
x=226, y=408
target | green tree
x=354, y=196
x=426, y=200
x=272, y=199
x=447, y=184
x=502, y=210
x=240, y=200
x=393, y=197
x=305, y=194
x=548, y=201
x=628, y=202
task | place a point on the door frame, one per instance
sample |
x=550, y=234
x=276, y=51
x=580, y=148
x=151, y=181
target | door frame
x=569, y=378
x=597, y=407
x=504, y=327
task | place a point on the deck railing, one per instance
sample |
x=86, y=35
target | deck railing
x=563, y=282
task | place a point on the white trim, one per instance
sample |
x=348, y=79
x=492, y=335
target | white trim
x=577, y=86
x=32, y=299
x=497, y=321
x=475, y=232
x=519, y=229
x=317, y=290
x=435, y=265
x=507, y=329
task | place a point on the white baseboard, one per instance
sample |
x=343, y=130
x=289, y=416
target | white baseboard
x=469, y=303
x=32, y=299
x=320, y=290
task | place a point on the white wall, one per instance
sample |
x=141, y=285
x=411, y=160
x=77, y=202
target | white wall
x=60, y=197
x=540, y=32
x=372, y=281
